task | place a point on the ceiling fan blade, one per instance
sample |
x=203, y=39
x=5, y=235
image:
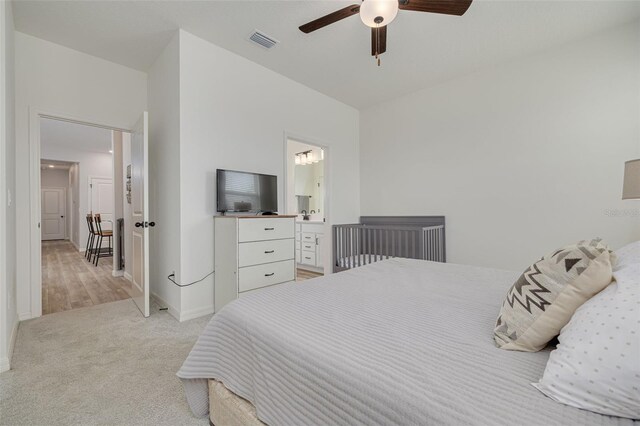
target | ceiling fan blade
x=447, y=7
x=378, y=40
x=330, y=18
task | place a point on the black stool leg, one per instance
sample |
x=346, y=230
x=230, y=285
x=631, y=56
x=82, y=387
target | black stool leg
x=96, y=257
x=87, y=245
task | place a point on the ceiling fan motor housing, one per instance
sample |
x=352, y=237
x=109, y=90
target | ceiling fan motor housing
x=374, y=12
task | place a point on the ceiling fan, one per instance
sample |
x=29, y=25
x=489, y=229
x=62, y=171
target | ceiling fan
x=377, y=14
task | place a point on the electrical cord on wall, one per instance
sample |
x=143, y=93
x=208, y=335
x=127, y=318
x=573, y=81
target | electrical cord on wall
x=172, y=276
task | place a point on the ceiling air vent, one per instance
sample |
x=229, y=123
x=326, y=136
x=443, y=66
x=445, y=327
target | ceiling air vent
x=263, y=40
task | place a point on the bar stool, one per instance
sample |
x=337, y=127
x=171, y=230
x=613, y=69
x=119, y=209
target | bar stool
x=90, y=238
x=101, y=234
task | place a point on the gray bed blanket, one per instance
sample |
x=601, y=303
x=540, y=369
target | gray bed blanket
x=397, y=342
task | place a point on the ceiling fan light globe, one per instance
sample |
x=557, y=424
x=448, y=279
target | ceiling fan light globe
x=372, y=9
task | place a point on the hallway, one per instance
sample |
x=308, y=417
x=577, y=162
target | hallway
x=69, y=281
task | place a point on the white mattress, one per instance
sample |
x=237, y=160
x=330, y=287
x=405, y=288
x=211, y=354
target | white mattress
x=397, y=342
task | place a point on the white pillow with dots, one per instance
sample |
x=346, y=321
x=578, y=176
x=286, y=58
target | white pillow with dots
x=596, y=365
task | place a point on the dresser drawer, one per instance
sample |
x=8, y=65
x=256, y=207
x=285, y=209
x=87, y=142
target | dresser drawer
x=257, y=252
x=308, y=237
x=264, y=229
x=252, y=277
x=308, y=258
x=317, y=228
x=309, y=246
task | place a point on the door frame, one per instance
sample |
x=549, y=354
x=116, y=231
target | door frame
x=66, y=206
x=35, y=237
x=328, y=254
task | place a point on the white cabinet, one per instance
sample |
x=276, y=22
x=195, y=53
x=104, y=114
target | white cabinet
x=309, y=247
x=252, y=252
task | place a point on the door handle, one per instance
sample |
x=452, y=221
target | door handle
x=268, y=275
x=145, y=224
x=269, y=251
x=62, y=216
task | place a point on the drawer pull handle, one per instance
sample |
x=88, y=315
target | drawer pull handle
x=269, y=229
x=268, y=275
x=268, y=251
x=307, y=258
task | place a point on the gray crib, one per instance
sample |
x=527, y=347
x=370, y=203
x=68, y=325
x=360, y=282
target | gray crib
x=381, y=237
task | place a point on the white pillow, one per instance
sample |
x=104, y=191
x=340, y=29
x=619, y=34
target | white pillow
x=628, y=254
x=596, y=365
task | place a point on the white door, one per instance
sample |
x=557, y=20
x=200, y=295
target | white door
x=53, y=220
x=140, y=214
x=101, y=199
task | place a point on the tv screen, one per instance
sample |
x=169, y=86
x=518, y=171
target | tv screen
x=246, y=192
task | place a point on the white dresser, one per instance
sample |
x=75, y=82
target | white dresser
x=252, y=252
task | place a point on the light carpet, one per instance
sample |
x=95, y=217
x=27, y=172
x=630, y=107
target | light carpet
x=104, y=364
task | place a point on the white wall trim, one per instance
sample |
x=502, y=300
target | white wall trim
x=128, y=276
x=117, y=273
x=5, y=362
x=328, y=191
x=196, y=313
x=24, y=316
x=35, y=260
x=160, y=301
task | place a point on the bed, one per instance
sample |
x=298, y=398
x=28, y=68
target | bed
x=399, y=341
x=377, y=238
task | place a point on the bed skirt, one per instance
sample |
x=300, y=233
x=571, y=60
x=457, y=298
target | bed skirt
x=228, y=409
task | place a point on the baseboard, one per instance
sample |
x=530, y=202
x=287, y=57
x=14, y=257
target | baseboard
x=80, y=249
x=196, y=313
x=5, y=361
x=127, y=276
x=24, y=316
x=160, y=301
x=119, y=273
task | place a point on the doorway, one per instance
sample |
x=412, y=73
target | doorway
x=120, y=145
x=76, y=265
x=307, y=198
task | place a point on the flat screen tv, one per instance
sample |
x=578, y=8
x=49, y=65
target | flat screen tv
x=246, y=192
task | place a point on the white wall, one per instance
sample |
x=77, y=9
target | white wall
x=54, y=178
x=520, y=159
x=164, y=175
x=59, y=178
x=234, y=115
x=8, y=310
x=62, y=81
x=74, y=183
x=126, y=207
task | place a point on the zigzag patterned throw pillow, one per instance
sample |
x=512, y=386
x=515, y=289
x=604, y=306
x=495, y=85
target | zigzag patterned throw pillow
x=547, y=294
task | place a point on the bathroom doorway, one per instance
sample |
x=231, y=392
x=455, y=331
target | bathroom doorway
x=307, y=199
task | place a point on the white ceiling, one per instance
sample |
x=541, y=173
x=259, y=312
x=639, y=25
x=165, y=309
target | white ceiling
x=422, y=50
x=56, y=133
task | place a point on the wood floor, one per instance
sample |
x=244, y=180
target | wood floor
x=306, y=275
x=70, y=281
